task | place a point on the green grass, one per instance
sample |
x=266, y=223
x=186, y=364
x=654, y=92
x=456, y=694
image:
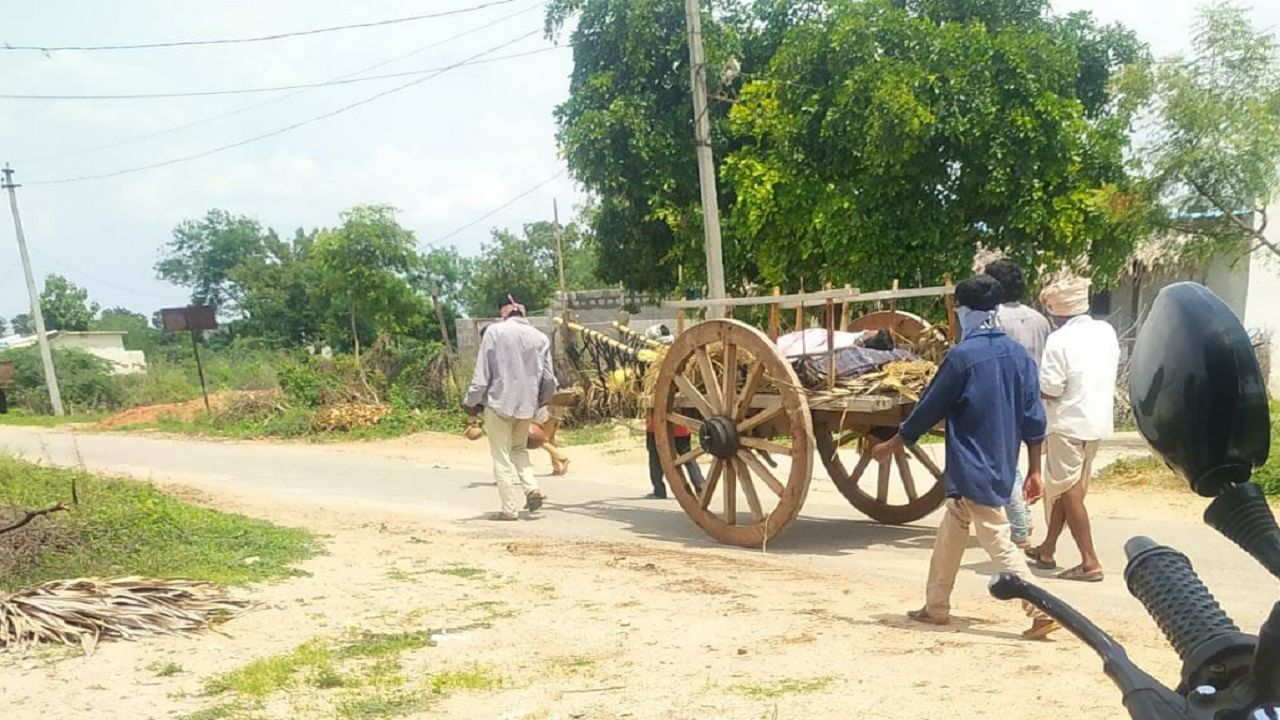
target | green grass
x=465, y=572
x=447, y=683
x=295, y=423
x=379, y=645
x=26, y=418
x=587, y=435
x=166, y=669
x=359, y=675
x=123, y=527
x=1140, y=472
x=770, y=691
x=268, y=675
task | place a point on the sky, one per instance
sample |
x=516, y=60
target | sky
x=459, y=154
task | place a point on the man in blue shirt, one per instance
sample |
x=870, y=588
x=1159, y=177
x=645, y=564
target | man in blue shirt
x=988, y=393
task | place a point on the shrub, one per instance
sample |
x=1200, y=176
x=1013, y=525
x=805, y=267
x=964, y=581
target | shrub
x=86, y=381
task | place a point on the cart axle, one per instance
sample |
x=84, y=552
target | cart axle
x=719, y=436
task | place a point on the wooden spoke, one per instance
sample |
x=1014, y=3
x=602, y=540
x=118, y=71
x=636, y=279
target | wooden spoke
x=713, y=479
x=763, y=472
x=730, y=378
x=697, y=399
x=766, y=445
x=925, y=460
x=730, y=494
x=749, y=489
x=684, y=421
x=882, y=483
x=904, y=472
x=754, y=376
x=767, y=458
x=690, y=456
x=709, y=379
x=863, y=461
x=760, y=418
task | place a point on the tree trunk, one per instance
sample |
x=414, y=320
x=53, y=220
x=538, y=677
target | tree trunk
x=355, y=344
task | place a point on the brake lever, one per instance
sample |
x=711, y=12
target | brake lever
x=1145, y=697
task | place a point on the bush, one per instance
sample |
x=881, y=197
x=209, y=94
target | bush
x=86, y=381
x=1268, y=476
x=314, y=382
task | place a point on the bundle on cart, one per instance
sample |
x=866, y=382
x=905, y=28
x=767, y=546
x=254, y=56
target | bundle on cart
x=867, y=363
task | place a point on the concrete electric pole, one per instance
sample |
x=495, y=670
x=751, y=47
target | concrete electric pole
x=706, y=164
x=51, y=377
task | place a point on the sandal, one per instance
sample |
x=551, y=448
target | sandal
x=1033, y=558
x=1079, y=574
x=922, y=615
x=533, y=500
x=1041, y=628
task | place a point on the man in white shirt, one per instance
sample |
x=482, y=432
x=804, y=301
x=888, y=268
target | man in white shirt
x=1029, y=329
x=514, y=377
x=1078, y=382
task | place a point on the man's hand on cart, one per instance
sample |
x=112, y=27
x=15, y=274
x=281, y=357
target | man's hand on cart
x=884, y=451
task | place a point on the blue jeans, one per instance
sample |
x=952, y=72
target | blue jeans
x=1018, y=512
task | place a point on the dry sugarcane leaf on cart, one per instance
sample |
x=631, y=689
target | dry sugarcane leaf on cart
x=84, y=611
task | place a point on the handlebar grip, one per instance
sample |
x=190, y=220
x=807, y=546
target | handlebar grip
x=1163, y=580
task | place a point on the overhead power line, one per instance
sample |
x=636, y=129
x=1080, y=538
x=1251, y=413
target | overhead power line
x=281, y=88
x=286, y=128
x=245, y=108
x=260, y=38
x=500, y=208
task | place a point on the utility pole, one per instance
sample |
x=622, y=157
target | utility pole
x=51, y=377
x=706, y=165
x=555, y=215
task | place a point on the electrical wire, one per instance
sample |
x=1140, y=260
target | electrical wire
x=103, y=281
x=500, y=208
x=245, y=108
x=281, y=88
x=286, y=128
x=260, y=38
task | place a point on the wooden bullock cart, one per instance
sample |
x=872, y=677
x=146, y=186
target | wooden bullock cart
x=758, y=426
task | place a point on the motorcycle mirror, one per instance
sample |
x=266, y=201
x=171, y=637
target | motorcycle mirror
x=1197, y=392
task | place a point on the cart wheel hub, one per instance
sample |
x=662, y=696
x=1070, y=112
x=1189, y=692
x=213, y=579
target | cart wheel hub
x=719, y=436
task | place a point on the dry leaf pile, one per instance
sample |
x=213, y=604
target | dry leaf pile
x=907, y=378
x=348, y=416
x=84, y=611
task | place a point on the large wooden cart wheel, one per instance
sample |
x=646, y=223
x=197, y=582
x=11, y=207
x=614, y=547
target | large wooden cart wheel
x=915, y=495
x=725, y=382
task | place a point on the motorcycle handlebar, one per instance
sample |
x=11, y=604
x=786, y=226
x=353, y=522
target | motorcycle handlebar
x=1144, y=696
x=1187, y=613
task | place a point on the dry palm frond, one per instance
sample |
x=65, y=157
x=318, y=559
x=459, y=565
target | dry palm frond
x=907, y=378
x=84, y=611
x=348, y=416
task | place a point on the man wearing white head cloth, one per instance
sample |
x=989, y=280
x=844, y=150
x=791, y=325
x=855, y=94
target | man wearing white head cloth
x=1078, y=382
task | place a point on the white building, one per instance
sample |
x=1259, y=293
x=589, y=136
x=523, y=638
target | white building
x=106, y=344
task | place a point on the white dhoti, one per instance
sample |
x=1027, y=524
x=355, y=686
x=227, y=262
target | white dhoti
x=1067, y=462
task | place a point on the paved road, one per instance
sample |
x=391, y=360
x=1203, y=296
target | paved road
x=830, y=536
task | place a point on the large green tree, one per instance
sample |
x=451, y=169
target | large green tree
x=139, y=335
x=202, y=254
x=23, y=324
x=65, y=305
x=1216, y=157
x=626, y=129
x=280, y=296
x=527, y=264
x=889, y=140
x=365, y=269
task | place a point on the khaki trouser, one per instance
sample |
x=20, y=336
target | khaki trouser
x=511, y=464
x=948, y=551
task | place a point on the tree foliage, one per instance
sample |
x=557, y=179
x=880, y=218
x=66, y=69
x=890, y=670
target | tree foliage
x=867, y=140
x=1217, y=154
x=203, y=253
x=365, y=268
x=527, y=264
x=23, y=324
x=65, y=305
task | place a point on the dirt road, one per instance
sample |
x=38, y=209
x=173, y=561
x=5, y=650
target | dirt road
x=608, y=605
